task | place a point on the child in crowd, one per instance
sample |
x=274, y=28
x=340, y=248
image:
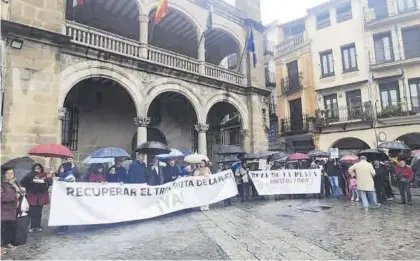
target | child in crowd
x=353, y=189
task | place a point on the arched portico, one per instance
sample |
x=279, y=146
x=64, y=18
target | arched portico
x=234, y=100
x=91, y=69
x=350, y=143
x=158, y=87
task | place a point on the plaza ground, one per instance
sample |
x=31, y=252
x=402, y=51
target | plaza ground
x=289, y=229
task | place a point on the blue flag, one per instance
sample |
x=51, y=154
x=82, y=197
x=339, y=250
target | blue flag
x=251, y=47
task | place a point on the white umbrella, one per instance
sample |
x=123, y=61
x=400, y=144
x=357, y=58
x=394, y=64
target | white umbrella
x=89, y=160
x=195, y=158
x=172, y=155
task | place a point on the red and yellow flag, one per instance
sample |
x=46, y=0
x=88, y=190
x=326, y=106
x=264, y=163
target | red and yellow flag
x=161, y=11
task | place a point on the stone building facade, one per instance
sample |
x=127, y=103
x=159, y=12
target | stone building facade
x=68, y=79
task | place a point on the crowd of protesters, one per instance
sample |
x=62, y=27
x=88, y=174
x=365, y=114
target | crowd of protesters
x=366, y=181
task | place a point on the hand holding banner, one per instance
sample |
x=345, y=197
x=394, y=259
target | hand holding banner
x=95, y=203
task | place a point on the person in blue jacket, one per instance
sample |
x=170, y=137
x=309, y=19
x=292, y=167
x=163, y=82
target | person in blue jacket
x=117, y=173
x=137, y=171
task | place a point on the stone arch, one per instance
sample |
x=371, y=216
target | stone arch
x=195, y=18
x=88, y=69
x=234, y=100
x=158, y=87
x=227, y=28
x=359, y=143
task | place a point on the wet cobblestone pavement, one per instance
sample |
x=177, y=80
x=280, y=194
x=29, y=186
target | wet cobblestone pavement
x=289, y=229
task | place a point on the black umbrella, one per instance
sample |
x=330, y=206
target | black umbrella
x=374, y=154
x=393, y=145
x=21, y=166
x=277, y=156
x=342, y=153
x=230, y=150
x=317, y=153
x=153, y=147
x=250, y=156
x=228, y=160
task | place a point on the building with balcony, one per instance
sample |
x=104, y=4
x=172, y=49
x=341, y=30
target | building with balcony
x=271, y=36
x=341, y=73
x=393, y=35
x=295, y=86
x=104, y=74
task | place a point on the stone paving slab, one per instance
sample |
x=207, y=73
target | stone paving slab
x=259, y=230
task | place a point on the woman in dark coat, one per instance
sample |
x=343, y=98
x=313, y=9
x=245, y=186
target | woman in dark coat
x=37, y=183
x=10, y=193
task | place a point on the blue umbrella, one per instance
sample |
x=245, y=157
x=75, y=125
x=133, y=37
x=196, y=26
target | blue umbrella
x=174, y=154
x=110, y=152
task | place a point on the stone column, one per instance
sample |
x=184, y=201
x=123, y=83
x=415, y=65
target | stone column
x=201, y=53
x=141, y=124
x=246, y=142
x=144, y=34
x=202, y=137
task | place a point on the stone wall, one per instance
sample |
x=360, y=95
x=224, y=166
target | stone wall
x=45, y=14
x=32, y=78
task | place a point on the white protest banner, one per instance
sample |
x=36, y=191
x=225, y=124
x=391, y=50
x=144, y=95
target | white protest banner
x=287, y=181
x=95, y=203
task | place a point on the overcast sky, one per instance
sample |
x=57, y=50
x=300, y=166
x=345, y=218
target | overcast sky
x=284, y=10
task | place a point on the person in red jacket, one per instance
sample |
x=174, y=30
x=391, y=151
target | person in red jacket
x=404, y=175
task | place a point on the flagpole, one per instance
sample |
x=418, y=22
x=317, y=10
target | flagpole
x=243, y=52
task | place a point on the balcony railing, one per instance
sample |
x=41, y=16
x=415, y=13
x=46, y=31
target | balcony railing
x=270, y=78
x=268, y=48
x=226, y=75
x=398, y=110
x=343, y=115
x=383, y=56
x=371, y=17
x=291, y=84
x=294, y=125
x=173, y=60
x=109, y=42
x=291, y=43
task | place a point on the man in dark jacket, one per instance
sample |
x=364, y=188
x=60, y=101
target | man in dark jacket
x=170, y=172
x=380, y=179
x=120, y=175
x=137, y=171
x=334, y=172
x=154, y=173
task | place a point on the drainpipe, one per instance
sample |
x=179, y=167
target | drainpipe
x=402, y=68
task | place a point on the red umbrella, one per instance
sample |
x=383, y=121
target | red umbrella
x=298, y=156
x=51, y=151
x=350, y=159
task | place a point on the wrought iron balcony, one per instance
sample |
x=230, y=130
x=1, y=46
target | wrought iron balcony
x=291, y=84
x=291, y=43
x=268, y=48
x=398, y=110
x=344, y=115
x=290, y=126
x=104, y=41
x=372, y=18
x=270, y=78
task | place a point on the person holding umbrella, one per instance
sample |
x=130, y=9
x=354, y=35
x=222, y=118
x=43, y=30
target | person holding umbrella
x=37, y=183
x=154, y=173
